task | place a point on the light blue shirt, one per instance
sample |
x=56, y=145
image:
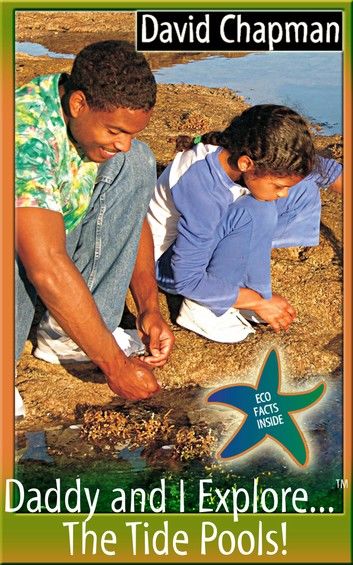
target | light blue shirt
x=224, y=245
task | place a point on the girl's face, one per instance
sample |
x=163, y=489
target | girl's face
x=265, y=187
x=269, y=187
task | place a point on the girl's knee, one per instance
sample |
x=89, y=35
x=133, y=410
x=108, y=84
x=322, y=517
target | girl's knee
x=248, y=217
x=263, y=213
x=303, y=195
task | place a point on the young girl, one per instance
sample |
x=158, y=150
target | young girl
x=220, y=207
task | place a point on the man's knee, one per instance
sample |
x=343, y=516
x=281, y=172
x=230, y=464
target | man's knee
x=143, y=161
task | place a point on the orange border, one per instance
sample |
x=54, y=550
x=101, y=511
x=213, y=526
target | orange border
x=6, y=264
x=6, y=256
x=347, y=268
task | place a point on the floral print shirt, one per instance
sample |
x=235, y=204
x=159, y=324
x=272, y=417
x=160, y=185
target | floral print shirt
x=50, y=173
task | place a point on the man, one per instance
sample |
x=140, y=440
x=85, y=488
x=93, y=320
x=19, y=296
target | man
x=81, y=233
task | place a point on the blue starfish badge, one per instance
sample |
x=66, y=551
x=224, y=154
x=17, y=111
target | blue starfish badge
x=268, y=413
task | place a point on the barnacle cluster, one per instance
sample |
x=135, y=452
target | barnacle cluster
x=113, y=429
x=190, y=445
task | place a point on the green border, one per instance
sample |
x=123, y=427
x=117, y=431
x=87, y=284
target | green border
x=176, y=4
x=310, y=538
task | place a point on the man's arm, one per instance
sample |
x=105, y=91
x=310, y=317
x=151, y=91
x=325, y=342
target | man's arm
x=40, y=242
x=155, y=332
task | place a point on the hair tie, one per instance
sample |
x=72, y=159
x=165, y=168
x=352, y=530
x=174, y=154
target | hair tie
x=197, y=139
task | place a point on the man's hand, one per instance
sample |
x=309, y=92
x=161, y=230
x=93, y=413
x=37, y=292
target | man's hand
x=133, y=380
x=154, y=331
x=276, y=311
x=157, y=337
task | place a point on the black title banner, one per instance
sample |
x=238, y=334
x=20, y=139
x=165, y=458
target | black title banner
x=239, y=31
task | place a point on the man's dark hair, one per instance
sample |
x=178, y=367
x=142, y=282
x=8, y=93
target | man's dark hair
x=112, y=75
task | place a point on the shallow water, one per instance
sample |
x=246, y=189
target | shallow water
x=309, y=82
x=36, y=448
x=38, y=50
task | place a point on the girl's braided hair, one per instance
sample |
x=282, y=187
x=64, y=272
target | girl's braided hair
x=276, y=138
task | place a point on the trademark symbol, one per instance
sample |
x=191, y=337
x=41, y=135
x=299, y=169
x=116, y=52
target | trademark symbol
x=342, y=483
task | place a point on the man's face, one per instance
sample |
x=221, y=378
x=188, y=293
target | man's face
x=269, y=187
x=99, y=134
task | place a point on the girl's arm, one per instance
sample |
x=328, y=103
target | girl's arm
x=276, y=311
x=328, y=174
x=337, y=185
x=201, y=204
x=217, y=279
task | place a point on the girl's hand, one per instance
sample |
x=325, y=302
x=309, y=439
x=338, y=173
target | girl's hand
x=276, y=311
